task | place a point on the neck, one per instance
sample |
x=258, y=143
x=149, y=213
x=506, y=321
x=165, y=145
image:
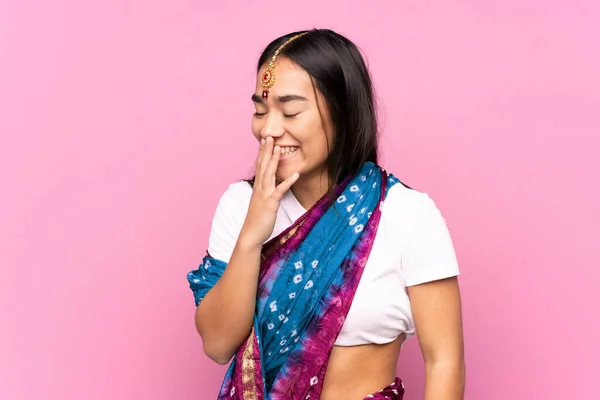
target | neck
x=310, y=188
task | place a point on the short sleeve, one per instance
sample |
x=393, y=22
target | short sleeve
x=228, y=220
x=426, y=249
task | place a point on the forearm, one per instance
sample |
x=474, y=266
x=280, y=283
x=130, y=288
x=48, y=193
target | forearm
x=445, y=380
x=225, y=315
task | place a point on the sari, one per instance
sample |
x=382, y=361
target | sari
x=308, y=277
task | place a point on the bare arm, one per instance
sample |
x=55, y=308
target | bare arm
x=437, y=312
x=225, y=316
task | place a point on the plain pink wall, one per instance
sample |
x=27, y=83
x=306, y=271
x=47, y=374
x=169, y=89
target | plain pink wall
x=122, y=122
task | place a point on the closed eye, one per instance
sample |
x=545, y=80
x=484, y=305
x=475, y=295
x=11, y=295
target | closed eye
x=257, y=114
x=290, y=115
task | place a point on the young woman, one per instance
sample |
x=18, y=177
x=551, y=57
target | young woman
x=320, y=267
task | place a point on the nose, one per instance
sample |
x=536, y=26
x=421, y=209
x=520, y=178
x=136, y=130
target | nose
x=272, y=126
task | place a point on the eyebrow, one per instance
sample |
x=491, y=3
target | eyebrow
x=280, y=99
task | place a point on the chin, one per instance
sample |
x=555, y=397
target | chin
x=284, y=171
x=280, y=177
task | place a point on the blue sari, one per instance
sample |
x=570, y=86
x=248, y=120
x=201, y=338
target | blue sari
x=308, y=277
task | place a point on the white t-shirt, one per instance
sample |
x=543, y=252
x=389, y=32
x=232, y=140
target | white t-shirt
x=412, y=246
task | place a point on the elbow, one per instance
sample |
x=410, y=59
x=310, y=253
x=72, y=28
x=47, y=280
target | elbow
x=216, y=345
x=453, y=368
x=218, y=355
x=455, y=364
x=213, y=348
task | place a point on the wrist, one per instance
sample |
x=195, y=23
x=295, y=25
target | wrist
x=247, y=242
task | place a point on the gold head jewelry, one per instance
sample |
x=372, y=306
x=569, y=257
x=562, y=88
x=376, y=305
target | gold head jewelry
x=268, y=77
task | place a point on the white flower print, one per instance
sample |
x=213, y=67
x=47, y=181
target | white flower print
x=341, y=199
x=314, y=380
x=358, y=228
x=292, y=295
x=273, y=305
x=354, y=188
x=350, y=207
x=298, y=264
x=298, y=278
x=308, y=285
x=353, y=221
x=270, y=325
x=315, y=263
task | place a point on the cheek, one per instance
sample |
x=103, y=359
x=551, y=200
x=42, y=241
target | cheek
x=314, y=139
x=324, y=147
x=316, y=146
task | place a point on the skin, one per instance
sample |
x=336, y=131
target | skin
x=295, y=115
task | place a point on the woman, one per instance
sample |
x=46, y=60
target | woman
x=323, y=265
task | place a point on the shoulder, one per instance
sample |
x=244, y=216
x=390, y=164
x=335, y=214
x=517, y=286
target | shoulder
x=228, y=220
x=237, y=192
x=419, y=236
x=233, y=204
x=235, y=199
x=403, y=204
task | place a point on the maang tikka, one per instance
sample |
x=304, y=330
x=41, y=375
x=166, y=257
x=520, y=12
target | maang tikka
x=268, y=77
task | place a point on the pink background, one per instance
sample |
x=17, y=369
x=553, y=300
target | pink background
x=122, y=122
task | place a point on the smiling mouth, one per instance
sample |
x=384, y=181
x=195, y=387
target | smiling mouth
x=288, y=152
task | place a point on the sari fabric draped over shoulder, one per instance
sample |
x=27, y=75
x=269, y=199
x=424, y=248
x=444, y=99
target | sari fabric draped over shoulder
x=308, y=277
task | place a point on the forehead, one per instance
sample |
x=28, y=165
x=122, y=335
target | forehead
x=290, y=78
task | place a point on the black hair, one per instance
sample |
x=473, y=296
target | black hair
x=339, y=72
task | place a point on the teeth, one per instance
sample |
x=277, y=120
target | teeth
x=288, y=150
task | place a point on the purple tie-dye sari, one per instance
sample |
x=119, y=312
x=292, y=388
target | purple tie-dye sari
x=309, y=275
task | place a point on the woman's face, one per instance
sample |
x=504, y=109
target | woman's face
x=291, y=116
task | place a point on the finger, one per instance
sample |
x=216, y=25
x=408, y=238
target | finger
x=284, y=186
x=265, y=156
x=263, y=159
x=259, y=156
x=271, y=168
